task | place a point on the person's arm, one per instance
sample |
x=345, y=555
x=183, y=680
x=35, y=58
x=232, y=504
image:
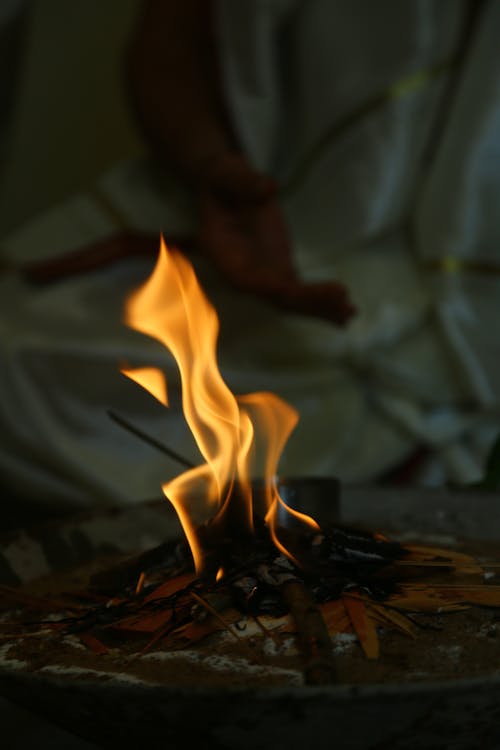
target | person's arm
x=176, y=93
x=174, y=85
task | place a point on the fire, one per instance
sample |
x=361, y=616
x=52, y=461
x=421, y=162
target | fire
x=150, y=378
x=233, y=434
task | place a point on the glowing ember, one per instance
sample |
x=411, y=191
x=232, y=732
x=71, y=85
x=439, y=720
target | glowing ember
x=233, y=434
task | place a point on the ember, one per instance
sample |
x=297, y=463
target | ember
x=348, y=581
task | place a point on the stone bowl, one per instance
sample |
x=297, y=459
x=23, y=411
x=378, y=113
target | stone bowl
x=463, y=714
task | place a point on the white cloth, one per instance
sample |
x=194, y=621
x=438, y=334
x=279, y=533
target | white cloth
x=293, y=71
x=418, y=365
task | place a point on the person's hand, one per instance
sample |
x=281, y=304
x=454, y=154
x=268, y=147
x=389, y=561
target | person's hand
x=243, y=232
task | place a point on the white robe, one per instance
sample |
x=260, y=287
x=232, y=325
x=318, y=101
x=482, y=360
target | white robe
x=336, y=99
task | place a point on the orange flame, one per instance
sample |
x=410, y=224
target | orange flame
x=151, y=379
x=232, y=434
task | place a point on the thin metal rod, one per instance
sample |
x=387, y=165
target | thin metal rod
x=148, y=439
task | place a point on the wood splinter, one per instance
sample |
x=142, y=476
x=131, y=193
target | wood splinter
x=312, y=634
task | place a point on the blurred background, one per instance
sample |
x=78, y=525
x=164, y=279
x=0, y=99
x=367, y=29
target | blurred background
x=63, y=111
x=63, y=121
x=64, y=117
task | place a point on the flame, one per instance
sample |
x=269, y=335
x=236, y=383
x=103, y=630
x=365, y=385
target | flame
x=151, y=379
x=220, y=574
x=233, y=434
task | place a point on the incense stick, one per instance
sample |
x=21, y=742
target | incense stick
x=148, y=439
